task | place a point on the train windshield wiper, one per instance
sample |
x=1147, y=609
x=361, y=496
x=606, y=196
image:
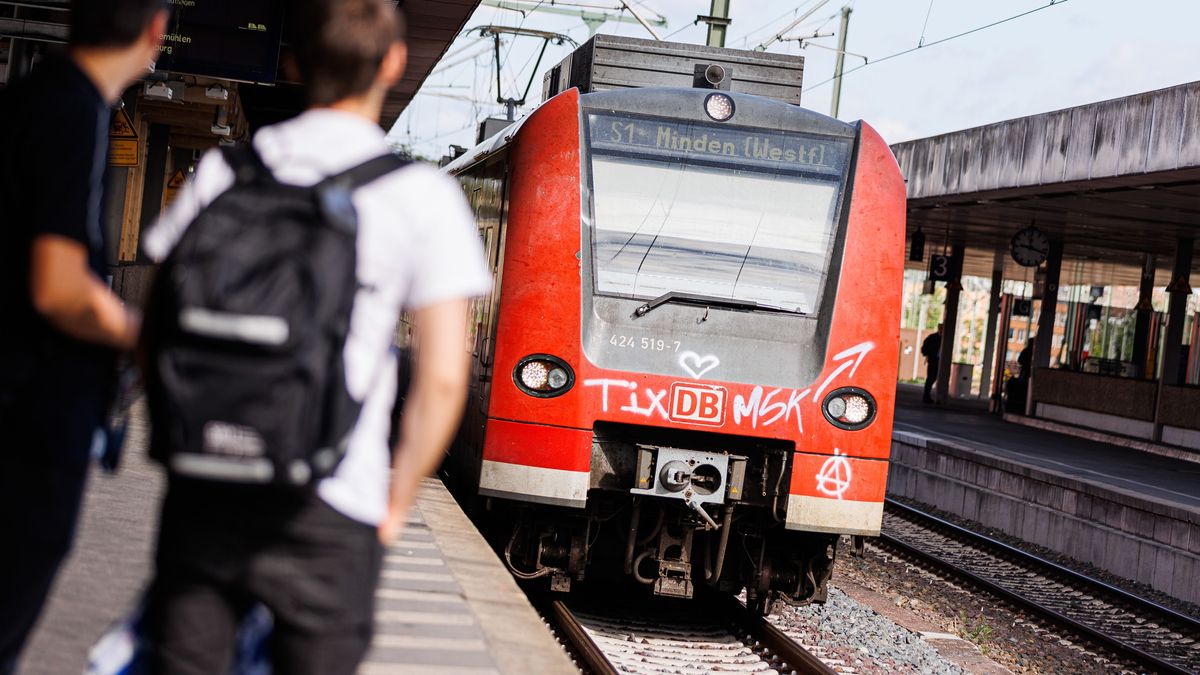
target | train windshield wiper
x=711, y=300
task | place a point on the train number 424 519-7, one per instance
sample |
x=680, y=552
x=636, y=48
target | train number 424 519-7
x=647, y=343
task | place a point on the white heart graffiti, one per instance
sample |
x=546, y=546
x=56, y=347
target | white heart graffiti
x=695, y=365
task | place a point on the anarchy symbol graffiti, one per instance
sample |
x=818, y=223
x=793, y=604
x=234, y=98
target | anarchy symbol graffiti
x=834, y=477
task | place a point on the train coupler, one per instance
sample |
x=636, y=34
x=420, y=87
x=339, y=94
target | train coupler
x=693, y=476
x=560, y=583
x=674, y=579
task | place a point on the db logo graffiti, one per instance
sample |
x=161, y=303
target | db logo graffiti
x=698, y=404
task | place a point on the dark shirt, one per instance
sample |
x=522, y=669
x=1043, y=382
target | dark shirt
x=53, y=159
x=931, y=348
x=1025, y=361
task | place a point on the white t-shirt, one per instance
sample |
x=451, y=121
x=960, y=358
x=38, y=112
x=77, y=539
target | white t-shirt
x=417, y=246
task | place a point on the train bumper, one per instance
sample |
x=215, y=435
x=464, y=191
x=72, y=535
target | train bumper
x=836, y=494
x=838, y=516
x=536, y=463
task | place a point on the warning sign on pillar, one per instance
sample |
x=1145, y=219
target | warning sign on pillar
x=122, y=126
x=124, y=148
x=123, y=151
x=173, y=187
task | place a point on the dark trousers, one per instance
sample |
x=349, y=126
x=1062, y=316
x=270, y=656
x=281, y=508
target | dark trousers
x=222, y=548
x=931, y=375
x=41, y=489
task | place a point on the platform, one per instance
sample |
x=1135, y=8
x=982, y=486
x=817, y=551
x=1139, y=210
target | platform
x=1132, y=513
x=446, y=604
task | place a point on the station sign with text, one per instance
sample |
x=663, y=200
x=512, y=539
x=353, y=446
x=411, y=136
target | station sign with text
x=223, y=39
x=759, y=149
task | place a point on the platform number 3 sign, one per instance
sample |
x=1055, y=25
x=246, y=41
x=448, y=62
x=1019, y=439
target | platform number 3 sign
x=941, y=267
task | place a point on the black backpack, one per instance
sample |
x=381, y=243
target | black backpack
x=245, y=328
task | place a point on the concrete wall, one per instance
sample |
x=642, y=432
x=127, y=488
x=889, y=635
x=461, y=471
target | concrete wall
x=1085, y=419
x=1116, y=405
x=1129, y=535
x=1098, y=393
x=1180, y=407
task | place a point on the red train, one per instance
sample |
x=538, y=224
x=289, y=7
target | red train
x=686, y=372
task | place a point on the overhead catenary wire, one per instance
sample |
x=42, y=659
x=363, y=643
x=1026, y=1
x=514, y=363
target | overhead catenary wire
x=679, y=30
x=463, y=47
x=447, y=134
x=910, y=50
x=454, y=97
x=925, y=25
x=641, y=20
x=745, y=39
x=812, y=10
x=483, y=49
x=593, y=16
x=512, y=45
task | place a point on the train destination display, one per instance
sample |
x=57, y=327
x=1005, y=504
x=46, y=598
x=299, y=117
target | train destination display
x=759, y=149
x=216, y=38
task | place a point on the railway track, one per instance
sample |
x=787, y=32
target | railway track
x=730, y=639
x=1130, y=627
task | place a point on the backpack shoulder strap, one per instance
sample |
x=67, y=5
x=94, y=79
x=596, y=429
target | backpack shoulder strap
x=367, y=172
x=248, y=166
x=334, y=193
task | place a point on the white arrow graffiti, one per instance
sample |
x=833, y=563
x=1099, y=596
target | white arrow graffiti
x=858, y=351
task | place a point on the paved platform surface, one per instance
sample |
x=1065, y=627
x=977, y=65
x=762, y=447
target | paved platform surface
x=446, y=605
x=1170, y=480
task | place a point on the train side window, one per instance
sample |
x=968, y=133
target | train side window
x=485, y=190
x=495, y=253
x=480, y=307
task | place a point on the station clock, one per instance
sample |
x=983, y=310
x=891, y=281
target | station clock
x=1030, y=247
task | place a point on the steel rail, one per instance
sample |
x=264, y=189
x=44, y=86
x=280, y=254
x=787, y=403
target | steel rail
x=792, y=652
x=574, y=633
x=1073, y=575
x=743, y=623
x=1028, y=604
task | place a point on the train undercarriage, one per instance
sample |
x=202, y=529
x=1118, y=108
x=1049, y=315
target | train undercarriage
x=706, y=510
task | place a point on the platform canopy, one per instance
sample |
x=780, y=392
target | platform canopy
x=432, y=26
x=1114, y=181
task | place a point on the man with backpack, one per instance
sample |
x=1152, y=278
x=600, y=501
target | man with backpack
x=63, y=325
x=286, y=265
x=931, y=349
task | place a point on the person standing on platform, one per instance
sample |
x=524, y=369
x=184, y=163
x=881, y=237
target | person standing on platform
x=1025, y=360
x=313, y=557
x=931, y=349
x=63, y=326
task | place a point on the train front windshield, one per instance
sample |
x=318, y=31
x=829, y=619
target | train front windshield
x=714, y=210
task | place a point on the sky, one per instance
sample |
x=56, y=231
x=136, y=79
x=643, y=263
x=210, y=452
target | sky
x=1067, y=53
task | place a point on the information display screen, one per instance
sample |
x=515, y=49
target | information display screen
x=229, y=39
x=755, y=149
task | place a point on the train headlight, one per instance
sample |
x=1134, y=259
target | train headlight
x=535, y=375
x=836, y=407
x=719, y=106
x=556, y=378
x=543, y=376
x=849, y=408
x=857, y=409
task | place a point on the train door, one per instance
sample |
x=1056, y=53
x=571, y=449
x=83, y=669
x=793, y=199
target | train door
x=485, y=186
